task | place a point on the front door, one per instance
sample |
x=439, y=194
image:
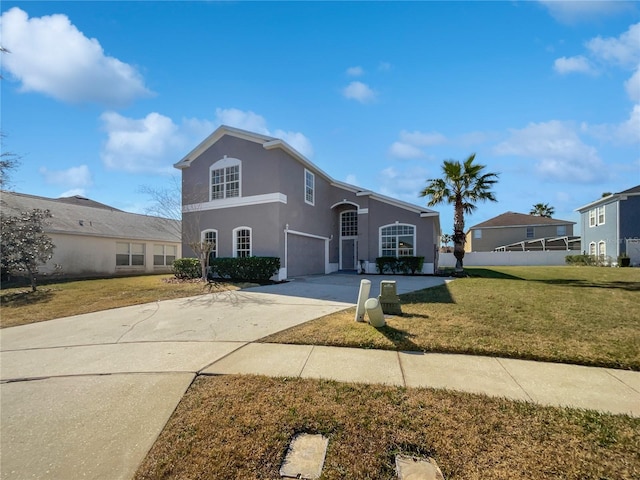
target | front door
x=348, y=254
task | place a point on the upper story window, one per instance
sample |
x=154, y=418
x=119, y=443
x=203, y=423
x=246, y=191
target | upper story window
x=211, y=237
x=224, y=177
x=477, y=234
x=596, y=216
x=309, y=187
x=530, y=232
x=349, y=223
x=561, y=230
x=397, y=240
x=242, y=242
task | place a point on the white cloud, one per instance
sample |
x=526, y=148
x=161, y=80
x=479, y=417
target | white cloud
x=632, y=86
x=624, y=50
x=359, y=91
x=297, y=140
x=411, y=143
x=579, y=63
x=249, y=120
x=576, y=11
x=558, y=151
x=403, y=184
x=74, y=177
x=355, y=71
x=405, y=150
x=422, y=139
x=50, y=55
x=150, y=144
x=627, y=132
x=351, y=179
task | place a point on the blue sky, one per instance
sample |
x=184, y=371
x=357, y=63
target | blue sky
x=101, y=98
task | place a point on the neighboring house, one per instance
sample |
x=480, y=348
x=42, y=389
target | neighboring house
x=518, y=231
x=611, y=226
x=93, y=239
x=254, y=195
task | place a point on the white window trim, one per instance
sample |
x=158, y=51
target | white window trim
x=593, y=218
x=598, y=210
x=202, y=237
x=415, y=236
x=593, y=248
x=602, y=248
x=223, y=164
x=235, y=240
x=313, y=187
x=131, y=254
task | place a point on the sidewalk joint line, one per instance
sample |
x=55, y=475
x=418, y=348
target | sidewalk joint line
x=620, y=380
x=306, y=361
x=199, y=372
x=404, y=380
x=514, y=379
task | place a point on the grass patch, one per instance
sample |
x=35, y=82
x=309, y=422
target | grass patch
x=581, y=315
x=240, y=427
x=21, y=306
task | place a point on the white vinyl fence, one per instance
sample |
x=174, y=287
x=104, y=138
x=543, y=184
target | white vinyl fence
x=484, y=259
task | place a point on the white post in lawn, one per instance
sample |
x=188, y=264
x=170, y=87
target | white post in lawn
x=365, y=288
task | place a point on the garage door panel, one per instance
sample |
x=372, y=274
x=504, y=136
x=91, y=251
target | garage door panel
x=305, y=256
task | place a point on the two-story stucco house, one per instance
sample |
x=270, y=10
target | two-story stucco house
x=93, y=239
x=611, y=226
x=254, y=195
x=518, y=231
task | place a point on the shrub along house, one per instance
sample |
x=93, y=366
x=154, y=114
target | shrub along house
x=254, y=195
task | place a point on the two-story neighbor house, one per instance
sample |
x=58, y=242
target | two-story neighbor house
x=254, y=195
x=518, y=231
x=93, y=239
x=611, y=226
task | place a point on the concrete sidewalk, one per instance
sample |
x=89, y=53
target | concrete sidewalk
x=87, y=396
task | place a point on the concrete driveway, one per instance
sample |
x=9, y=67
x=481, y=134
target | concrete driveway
x=86, y=396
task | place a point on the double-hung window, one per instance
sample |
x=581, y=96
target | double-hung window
x=242, y=242
x=164, y=255
x=397, y=240
x=224, y=177
x=309, y=187
x=129, y=254
x=530, y=232
x=592, y=218
x=561, y=230
x=210, y=237
x=601, y=215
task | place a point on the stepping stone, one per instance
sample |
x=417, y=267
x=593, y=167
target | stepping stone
x=412, y=468
x=305, y=457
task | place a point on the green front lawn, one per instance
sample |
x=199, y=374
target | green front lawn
x=582, y=315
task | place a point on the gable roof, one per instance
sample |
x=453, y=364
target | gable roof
x=513, y=219
x=633, y=191
x=269, y=143
x=86, y=217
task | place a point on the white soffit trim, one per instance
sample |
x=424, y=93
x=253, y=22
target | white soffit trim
x=236, y=202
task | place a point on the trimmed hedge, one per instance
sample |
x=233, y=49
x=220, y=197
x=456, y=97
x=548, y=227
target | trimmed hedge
x=248, y=269
x=187, y=268
x=404, y=265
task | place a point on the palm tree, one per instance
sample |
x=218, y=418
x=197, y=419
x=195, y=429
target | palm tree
x=446, y=238
x=542, y=210
x=462, y=185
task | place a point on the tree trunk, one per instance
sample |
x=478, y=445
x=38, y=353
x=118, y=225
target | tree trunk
x=32, y=278
x=459, y=237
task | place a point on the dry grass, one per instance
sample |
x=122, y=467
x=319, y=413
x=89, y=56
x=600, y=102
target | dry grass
x=21, y=306
x=581, y=315
x=239, y=427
